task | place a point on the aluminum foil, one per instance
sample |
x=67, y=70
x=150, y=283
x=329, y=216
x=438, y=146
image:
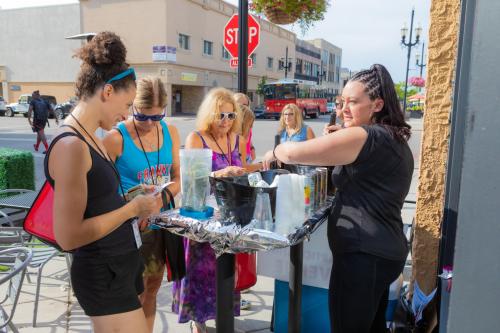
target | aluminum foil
x=227, y=237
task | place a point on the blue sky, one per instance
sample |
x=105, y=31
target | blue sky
x=368, y=31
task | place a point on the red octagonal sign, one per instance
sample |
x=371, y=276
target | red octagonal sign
x=231, y=35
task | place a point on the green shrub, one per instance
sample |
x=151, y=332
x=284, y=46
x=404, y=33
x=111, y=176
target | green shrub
x=16, y=169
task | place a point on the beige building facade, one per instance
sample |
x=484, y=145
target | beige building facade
x=182, y=42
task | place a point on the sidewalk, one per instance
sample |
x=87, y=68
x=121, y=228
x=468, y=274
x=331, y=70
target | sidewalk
x=59, y=311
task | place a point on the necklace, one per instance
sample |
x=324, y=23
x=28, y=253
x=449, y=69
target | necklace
x=144, y=151
x=222, y=151
x=104, y=156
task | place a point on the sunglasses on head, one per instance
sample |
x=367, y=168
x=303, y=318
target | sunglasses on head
x=228, y=115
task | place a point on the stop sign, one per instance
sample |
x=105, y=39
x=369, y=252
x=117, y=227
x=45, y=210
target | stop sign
x=231, y=35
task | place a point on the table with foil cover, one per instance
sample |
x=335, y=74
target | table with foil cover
x=227, y=237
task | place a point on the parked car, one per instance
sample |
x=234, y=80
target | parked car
x=53, y=102
x=3, y=107
x=259, y=111
x=21, y=107
x=64, y=109
x=23, y=104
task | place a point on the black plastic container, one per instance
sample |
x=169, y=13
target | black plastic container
x=236, y=198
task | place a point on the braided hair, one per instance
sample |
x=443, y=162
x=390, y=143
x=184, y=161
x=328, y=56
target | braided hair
x=378, y=84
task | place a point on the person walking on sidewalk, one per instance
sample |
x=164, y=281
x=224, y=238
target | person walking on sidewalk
x=374, y=168
x=91, y=216
x=40, y=109
x=146, y=151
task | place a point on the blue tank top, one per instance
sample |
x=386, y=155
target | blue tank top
x=133, y=166
x=296, y=137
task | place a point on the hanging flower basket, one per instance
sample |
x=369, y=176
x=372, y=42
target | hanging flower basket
x=279, y=16
x=417, y=81
x=306, y=12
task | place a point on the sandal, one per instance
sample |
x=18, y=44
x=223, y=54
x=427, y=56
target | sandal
x=245, y=304
x=198, y=328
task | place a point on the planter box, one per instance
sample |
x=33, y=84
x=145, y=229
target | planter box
x=16, y=169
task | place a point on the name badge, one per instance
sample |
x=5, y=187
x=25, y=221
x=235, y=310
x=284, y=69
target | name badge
x=137, y=233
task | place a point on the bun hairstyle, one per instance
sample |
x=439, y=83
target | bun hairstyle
x=102, y=58
x=378, y=84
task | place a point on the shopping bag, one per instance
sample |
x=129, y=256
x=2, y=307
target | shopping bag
x=245, y=271
x=39, y=221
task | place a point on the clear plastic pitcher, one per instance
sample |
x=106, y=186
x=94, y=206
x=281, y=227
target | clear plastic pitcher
x=196, y=165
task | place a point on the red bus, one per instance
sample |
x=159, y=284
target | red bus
x=309, y=97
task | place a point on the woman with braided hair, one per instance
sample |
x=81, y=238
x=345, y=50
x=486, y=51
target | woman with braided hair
x=373, y=172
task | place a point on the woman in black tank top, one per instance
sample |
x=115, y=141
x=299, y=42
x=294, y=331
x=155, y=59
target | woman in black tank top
x=91, y=216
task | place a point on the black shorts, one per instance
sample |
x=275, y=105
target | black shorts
x=105, y=286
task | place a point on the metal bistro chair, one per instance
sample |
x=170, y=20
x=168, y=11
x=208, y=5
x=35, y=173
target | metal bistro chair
x=16, y=202
x=42, y=254
x=17, y=259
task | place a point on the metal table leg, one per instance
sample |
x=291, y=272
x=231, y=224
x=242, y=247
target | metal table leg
x=295, y=288
x=224, y=320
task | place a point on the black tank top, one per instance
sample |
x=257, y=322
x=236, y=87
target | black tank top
x=102, y=197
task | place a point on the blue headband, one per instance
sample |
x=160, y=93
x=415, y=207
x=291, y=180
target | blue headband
x=121, y=75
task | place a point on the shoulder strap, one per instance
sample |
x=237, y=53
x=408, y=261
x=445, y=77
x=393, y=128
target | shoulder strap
x=54, y=141
x=202, y=139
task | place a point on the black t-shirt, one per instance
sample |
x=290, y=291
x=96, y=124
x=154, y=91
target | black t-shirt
x=366, y=216
x=40, y=110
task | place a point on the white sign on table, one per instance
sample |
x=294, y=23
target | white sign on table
x=317, y=261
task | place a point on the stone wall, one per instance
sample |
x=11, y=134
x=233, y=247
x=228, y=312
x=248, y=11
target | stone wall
x=442, y=53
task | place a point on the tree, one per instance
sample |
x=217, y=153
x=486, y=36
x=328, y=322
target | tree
x=260, y=85
x=400, y=90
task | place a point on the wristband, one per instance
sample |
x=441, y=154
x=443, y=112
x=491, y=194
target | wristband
x=274, y=155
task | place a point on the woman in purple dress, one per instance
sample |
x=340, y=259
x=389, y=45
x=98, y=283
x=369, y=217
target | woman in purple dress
x=217, y=126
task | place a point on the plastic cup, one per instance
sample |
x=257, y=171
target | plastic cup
x=262, y=213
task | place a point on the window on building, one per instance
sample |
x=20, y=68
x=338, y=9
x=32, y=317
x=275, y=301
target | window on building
x=225, y=54
x=270, y=63
x=298, y=66
x=184, y=42
x=254, y=58
x=208, y=47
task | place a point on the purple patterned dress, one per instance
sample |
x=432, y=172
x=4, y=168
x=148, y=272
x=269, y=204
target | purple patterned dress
x=194, y=296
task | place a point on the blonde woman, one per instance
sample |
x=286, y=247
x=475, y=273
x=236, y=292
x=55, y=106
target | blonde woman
x=146, y=151
x=217, y=126
x=292, y=127
x=248, y=119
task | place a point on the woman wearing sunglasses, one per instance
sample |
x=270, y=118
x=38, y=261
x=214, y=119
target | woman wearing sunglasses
x=292, y=127
x=218, y=124
x=146, y=151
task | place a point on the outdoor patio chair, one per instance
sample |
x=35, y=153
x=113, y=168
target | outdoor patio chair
x=19, y=257
x=42, y=254
x=14, y=203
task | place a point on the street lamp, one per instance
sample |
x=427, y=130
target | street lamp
x=286, y=63
x=422, y=63
x=409, y=45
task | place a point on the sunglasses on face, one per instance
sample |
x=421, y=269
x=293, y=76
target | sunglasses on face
x=228, y=115
x=339, y=104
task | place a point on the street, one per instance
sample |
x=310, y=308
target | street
x=16, y=133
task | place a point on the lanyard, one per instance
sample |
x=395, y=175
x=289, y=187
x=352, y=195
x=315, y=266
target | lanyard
x=104, y=156
x=229, y=160
x=146, y=155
